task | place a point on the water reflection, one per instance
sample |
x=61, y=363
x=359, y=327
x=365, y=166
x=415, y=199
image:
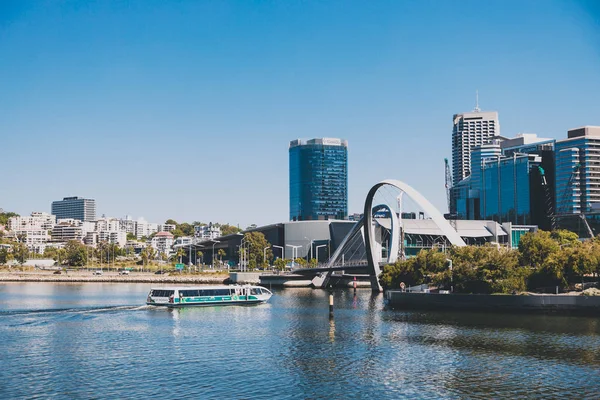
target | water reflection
x=101, y=338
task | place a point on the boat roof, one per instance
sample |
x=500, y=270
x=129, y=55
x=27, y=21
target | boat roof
x=203, y=287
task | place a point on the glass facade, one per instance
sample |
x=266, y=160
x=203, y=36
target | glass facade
x=572, y=175
x=76, y=208
x=318, y=179
x=506, y=193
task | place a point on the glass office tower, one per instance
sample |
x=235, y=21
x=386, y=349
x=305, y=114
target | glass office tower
x=318, y=179
x=76, y=208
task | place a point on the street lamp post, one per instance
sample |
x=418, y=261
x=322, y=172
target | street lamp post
x=213, y=252
x=294, y=252
x=265, y=254
x=317, y=250
x=311, y=246
x=282, y=249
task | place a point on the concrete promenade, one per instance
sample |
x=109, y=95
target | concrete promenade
x=112, y=277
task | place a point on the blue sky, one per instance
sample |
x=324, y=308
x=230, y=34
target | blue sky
x=185, y=109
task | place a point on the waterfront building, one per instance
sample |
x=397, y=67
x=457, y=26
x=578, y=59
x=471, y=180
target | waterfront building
x=470, y=130
x=162, y=242
x=207, y=232
x=318, y=171
x=76, y=208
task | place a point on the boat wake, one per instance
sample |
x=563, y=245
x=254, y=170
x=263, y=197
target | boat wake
x=72, y=310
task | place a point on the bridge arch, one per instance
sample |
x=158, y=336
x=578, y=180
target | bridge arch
x=370, y=243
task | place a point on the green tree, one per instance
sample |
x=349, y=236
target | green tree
x=279, y=264
x=131, y=236
x=4, y=256
x=4, y=217
x=20, y=252
x=50, y=252
x=256, y=244
x=177, y=232
x=186, y=229
x=76, y=253
x=199, y=256
x=312, y=263
x=227, y=229
x=171, y=222
x=149, y=253
x=300, y=262
x=180, y=253
x=221, y=253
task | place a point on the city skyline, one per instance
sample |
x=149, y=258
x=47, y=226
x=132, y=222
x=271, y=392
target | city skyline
x=186, y=111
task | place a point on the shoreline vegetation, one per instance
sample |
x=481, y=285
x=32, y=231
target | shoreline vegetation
x=545, y=262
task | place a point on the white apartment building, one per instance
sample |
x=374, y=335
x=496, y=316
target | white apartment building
x=64, y=232
x=37, y=220
x=470, y=130
x=162, y=242
x=166, y=227
x=108, y=225
x=118, y=238
x=183, y=241
x=145, y=228
x=207, y=232
x=35, y=238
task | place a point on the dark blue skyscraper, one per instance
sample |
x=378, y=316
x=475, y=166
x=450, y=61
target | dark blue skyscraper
x=318, y=179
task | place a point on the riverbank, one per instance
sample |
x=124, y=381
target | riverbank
x=113, y=277
x=539, y=303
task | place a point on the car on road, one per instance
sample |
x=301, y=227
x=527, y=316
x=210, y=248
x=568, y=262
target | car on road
x=124, y=272
x=98, y=272
x=160, y=272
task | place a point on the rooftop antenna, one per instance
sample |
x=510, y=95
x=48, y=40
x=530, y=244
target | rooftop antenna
x=477, y=109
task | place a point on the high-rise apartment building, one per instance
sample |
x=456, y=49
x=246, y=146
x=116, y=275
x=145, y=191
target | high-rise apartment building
x=318, y=179
x=75, y=207
x=470, y=130
x=578, y=171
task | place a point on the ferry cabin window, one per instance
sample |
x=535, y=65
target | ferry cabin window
x=190, y=293
x=204, y=292
x=255, y=291
x=162, y=293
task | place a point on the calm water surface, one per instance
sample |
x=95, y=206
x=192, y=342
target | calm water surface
x=101, y=341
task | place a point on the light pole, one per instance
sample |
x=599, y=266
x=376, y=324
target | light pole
x=213, y=252
x=294, y=252
x=317, y=250
x=265, y=254
x=311, y=246
x=282, y=249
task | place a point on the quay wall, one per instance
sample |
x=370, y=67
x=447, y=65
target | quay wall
x=566, y=304
x=113, y=278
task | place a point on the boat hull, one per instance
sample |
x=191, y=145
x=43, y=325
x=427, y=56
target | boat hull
x=208, y=304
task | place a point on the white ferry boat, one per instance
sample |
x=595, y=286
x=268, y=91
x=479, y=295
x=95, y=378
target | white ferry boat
x=208, y=296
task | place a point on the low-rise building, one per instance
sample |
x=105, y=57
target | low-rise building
x=207, y=232
x=37, y=220
x=64, y=232
x=162, y=242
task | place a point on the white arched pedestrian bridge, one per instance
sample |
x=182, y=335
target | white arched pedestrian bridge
x=366, y=229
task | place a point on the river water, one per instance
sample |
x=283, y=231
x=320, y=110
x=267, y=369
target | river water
x=101, y=341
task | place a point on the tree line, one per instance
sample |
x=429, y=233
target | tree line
x=543, y=261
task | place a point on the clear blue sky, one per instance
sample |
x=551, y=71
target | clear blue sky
x=185, y=109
